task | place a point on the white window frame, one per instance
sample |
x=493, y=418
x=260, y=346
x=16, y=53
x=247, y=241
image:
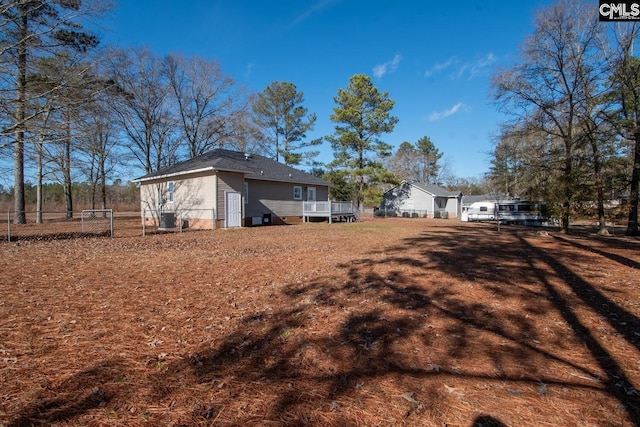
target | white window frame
x=171, y=188
x=297, y=192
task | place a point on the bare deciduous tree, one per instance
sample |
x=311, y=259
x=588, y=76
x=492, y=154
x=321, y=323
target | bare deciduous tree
x=549, y=83
x=207, y=100
x=143, y=106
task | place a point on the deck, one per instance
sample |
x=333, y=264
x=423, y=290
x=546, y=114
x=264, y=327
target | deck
x=340, y=211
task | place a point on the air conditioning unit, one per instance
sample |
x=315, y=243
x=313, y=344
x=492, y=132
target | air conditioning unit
x=167, y=220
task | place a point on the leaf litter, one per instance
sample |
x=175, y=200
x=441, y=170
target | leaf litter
x=320, y=324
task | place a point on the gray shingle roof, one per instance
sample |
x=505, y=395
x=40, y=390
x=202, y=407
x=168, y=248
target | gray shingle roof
x=430, y=188
x=436, y=190
x=253, y=166
x=467, y=200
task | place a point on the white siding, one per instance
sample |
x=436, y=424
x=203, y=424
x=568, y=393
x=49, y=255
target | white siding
x=193, y=197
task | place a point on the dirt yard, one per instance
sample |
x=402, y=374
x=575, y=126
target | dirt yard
x=387, y=322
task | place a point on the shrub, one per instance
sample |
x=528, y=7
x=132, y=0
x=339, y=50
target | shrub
x=436, y=214
x=415, y=215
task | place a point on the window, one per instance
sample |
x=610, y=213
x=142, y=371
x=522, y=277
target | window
x=170, y=188
x=297, y=192
x=483, y=209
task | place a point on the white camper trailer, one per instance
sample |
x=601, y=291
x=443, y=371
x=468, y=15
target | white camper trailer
x=479, y=211
x=507, y=212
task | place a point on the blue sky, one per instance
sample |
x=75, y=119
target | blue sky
x=435, y=59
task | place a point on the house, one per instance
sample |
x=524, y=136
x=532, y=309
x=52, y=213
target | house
x=420, y=199
x=223, y=189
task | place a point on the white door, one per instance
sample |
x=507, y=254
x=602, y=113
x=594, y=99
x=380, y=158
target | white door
x=233, y=212
x=311, y=194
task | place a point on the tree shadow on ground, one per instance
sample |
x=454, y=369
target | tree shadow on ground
x=616, y=381
x=382, y=305
x=441, y=307
x=487, y=421
x=87, y=390
x=610, y=246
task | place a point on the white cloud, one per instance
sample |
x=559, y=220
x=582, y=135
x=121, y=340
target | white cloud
x=387, y=67
x=446, y=113
x=441, y=66
x=310, y=11
x=478, y=67
x=248, y=70
x=469, y=69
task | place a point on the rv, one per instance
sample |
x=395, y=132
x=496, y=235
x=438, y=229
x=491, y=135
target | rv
x=507, y=212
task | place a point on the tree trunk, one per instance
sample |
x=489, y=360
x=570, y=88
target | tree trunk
x=567, y=184
x=19, y=216
x=93, y=180
x=602, y=221
x=360, y=197
x=18, y=150
x=103, y=183
x=599, y=182
x=147, y=166
x=67, y=173
x=40, y=167
x=632, y=224
x=92, y=196
x=39, y=185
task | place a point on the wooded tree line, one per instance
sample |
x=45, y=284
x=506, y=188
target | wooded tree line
x=574, y=96
x=72, y=111
x=121, y=196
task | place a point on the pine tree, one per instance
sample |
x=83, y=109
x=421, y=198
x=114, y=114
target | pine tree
x=362, y=115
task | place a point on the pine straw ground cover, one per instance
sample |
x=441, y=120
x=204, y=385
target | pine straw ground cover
x=386, y=322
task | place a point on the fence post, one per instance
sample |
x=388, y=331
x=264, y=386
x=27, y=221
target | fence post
x=144, y=222
x=112, y=230
x=213, y=218
x=8, y=226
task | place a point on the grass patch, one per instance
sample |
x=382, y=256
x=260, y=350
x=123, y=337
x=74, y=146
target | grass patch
x=369, y=226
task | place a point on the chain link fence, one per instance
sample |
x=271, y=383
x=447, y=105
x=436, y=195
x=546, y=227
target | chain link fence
x=97, y=221
x=57, y=225
x=410, y=213
x=50, y=225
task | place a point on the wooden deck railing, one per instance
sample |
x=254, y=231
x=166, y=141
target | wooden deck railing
x=326, y=209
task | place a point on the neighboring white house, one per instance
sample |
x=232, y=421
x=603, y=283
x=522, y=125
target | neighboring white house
x=420, y=199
